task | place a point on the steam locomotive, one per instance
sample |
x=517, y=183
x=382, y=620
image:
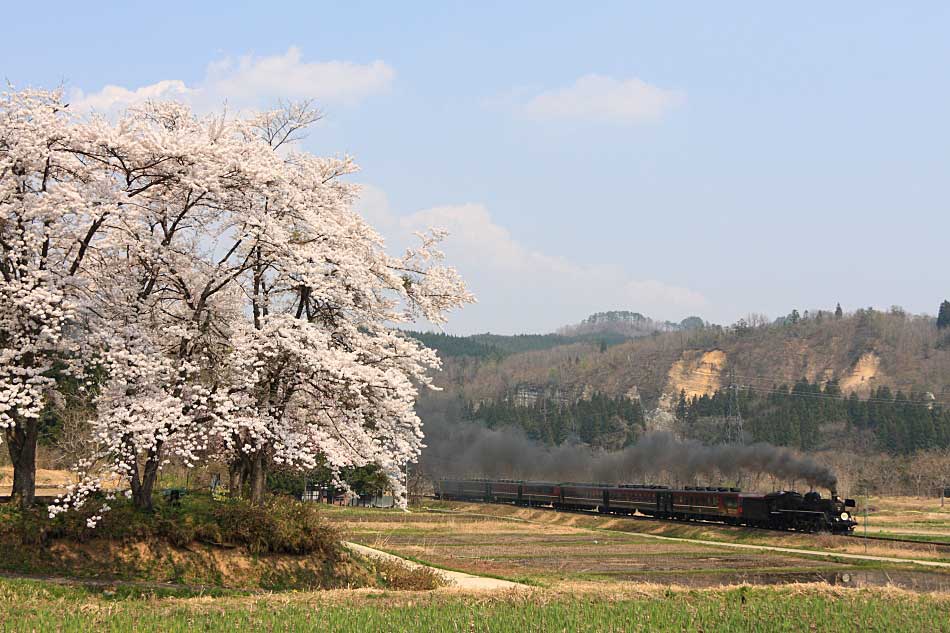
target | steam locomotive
x=786, y=510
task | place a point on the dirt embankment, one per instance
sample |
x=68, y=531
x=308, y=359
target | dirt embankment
x=697, y=372
x=864, y=376
x=195, y=564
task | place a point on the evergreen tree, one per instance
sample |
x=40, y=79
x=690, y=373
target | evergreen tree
x=682, y=407
x=839, y=312
x=857, y=411
x=943, y=317
x=832, y=388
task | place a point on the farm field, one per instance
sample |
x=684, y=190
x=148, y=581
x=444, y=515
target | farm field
x=908, y=517
x=553, y=549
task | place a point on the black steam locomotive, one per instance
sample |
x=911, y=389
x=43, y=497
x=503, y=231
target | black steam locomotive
x=777, y=510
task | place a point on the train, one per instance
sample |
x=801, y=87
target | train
x=783, y=510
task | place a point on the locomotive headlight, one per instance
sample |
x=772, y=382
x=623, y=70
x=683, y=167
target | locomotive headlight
x=845, y=516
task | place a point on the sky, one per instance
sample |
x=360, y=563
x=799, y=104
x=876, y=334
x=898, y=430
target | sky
x=675, y=159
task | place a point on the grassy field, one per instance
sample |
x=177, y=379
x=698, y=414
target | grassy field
x=35, y=606
x=581, y=573
x=906, y=517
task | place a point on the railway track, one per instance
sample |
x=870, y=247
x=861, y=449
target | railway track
x=871, y=537
x=649, y=519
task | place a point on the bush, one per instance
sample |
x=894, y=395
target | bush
x=281, y=526
x=401, y=577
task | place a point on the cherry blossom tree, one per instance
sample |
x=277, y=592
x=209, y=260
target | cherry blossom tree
x=53, y=207
x=239, y=308
x=316, y=369
x=164, y=299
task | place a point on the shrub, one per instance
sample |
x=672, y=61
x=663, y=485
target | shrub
x=281, y=526
x=399, y=576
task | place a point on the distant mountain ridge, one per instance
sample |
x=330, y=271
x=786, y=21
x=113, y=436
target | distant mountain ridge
x=499, y=346
x=627, y=323
x=604, y=329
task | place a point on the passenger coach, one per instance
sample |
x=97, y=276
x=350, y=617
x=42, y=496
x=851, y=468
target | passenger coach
x=786, y=510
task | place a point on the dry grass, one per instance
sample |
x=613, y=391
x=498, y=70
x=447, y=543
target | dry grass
x=52, y=481
x=401, y=577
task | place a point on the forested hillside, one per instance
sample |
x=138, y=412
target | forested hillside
x=877, y=381
x=601, y=421
x=802, y=417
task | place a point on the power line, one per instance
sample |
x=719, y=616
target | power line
x=775, y=379
x=786, y=379
x=766, y=379
x=821, y=396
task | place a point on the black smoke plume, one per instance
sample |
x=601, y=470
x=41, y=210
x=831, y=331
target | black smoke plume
x=469, y=449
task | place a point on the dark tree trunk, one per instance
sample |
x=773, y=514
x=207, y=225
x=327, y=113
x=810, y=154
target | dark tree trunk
x=238, y=476
x=258, y=476
x=21, y=444
x=143, y=485
x=234, y=479
x=143, y=499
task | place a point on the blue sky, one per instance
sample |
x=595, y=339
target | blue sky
x=704, y=158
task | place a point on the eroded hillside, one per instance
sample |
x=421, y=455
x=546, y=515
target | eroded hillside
x=696, y=373
x=861, y=351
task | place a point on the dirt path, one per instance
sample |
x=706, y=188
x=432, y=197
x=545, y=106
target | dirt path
x=456, y=579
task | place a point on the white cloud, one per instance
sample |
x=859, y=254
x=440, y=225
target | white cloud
x=600, y=98
x=112, y=97
x=520, y=289
x=253, y=82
